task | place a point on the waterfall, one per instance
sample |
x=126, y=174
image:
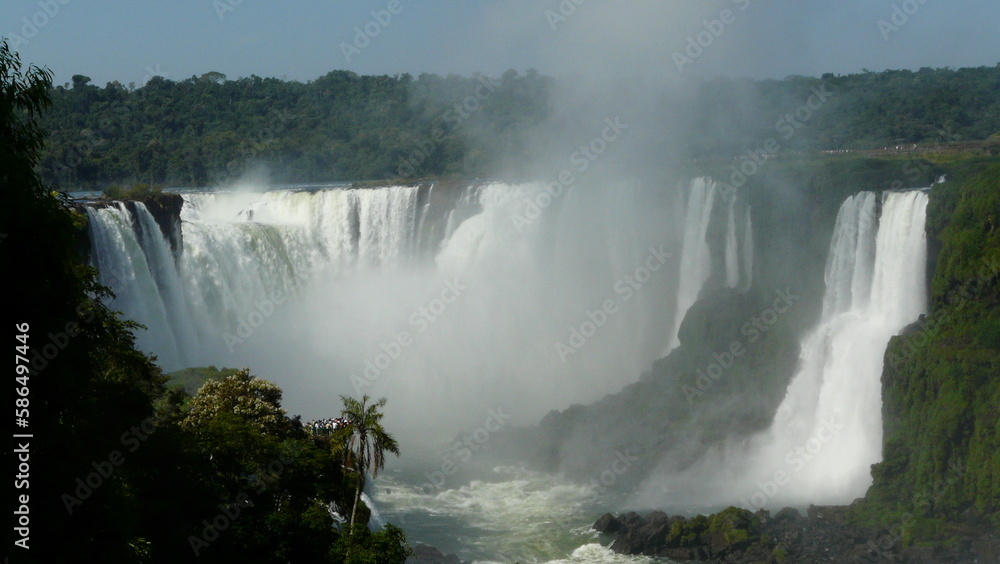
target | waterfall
x=696, y=256
x=748, y=252
x=314, y=289
x=732, y=248
x=851, y=260
x=334, y=511
x=827, y=431
x=171, y=290
x=376, y=522
x=122, y=263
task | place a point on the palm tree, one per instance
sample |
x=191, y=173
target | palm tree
x=364, y=442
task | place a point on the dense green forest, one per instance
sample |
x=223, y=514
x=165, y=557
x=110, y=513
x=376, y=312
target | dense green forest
x=209, y=130
x=118, y=462
x=340, y=126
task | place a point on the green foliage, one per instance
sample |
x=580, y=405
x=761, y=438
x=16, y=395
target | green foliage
x=243, y=397
x=95, y=386
x=360, y=546
x=736, y=527
x=246, y=445
x=341, y=126
x=732, y=518
x=736, y=536
x=134, y=192
x=96, y=399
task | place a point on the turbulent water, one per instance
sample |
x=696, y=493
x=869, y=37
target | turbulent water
x=828, y=430
x=514, y=515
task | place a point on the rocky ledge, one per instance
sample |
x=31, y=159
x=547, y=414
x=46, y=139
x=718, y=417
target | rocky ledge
x=164, y=207
x=424, y=554
x=824, y=535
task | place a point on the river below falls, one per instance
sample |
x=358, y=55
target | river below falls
x=513, y=515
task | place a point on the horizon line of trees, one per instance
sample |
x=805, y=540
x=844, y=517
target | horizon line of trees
x=209, y=130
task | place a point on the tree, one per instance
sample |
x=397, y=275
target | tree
x=364, y=441
x=80, y=81
x=92, y=384
x=252, y=399
x=361, y=546
x=112, y=473
x=213, y=76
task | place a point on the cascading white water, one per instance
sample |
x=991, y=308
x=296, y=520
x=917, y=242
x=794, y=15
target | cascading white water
x=696, y=255
x=732, y=248
x=748, y=251
x=161, y=262
x=376, y=522
x=125, y=267
x=832, y=414
x=827, y=432
x=851, y=260
x=313, y=290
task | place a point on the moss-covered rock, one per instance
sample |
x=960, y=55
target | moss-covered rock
x=733, y=531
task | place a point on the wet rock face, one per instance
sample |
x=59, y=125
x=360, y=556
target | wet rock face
x=166, y=210
x=609, y=524
x=788, y=514
x=733, y=531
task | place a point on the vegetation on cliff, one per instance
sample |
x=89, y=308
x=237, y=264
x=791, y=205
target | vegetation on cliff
x=941, y=391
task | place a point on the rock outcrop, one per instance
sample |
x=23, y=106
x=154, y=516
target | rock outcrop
x=825, y=534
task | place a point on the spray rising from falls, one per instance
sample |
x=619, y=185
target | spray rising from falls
x=418, y=293
x=827, y=431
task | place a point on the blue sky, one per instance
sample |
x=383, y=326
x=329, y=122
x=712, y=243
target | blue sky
x=128, y=40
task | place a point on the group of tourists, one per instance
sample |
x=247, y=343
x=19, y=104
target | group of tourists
x=326, y=426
